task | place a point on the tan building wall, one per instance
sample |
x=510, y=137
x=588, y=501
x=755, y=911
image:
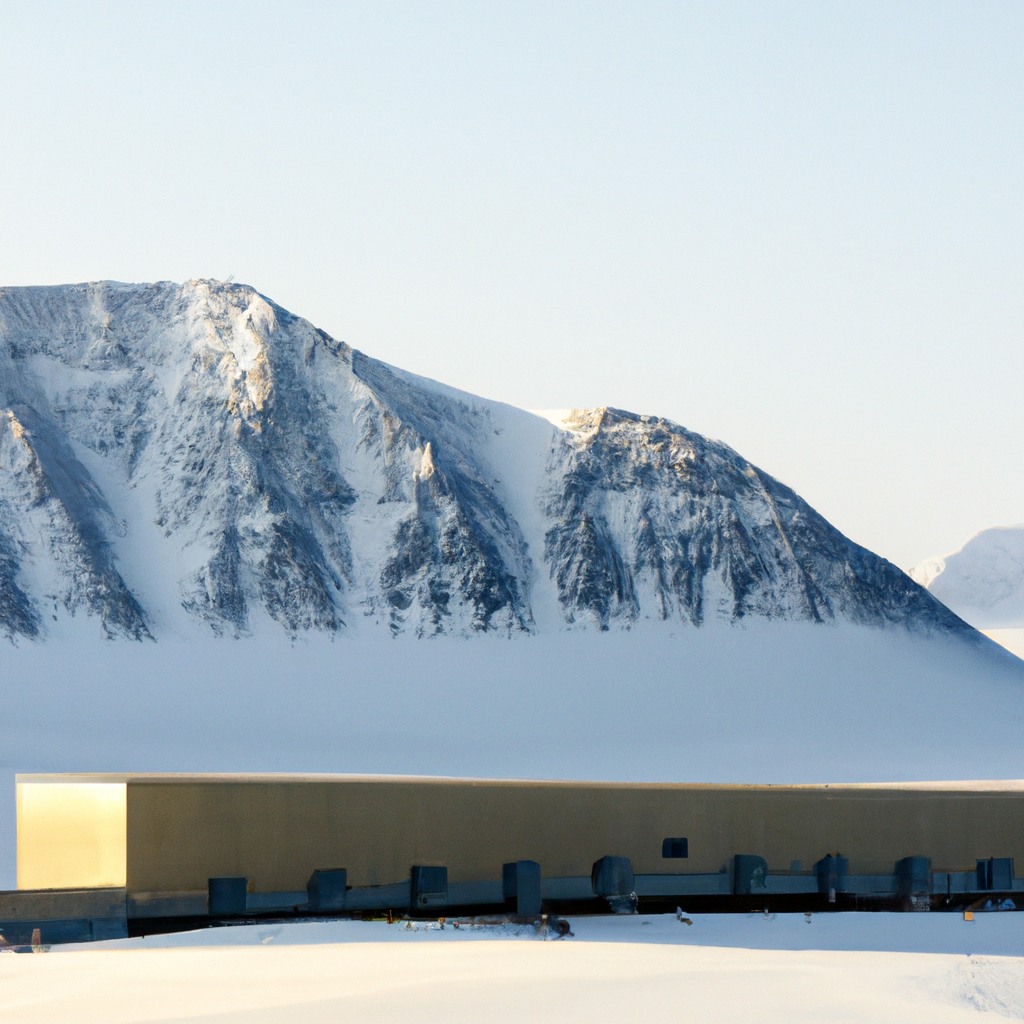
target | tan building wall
x=181, y=830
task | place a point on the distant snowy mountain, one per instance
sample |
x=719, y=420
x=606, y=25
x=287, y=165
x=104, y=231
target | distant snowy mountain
x=174, y=455
x=983, y=581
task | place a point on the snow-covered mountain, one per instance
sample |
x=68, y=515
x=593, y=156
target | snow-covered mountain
x=983, y=581
x=181, y=454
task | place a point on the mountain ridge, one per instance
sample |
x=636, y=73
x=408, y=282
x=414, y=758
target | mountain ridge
x=180, y=454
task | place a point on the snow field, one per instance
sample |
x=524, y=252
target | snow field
x=613, y=969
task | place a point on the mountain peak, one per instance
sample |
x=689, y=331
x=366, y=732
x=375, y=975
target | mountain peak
x=984, y=580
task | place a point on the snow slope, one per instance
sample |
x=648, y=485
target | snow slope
x=187, y=459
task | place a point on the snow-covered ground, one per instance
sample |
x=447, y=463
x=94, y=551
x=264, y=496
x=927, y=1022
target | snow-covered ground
x=849, y=967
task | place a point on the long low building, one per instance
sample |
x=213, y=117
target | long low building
x=186, y=846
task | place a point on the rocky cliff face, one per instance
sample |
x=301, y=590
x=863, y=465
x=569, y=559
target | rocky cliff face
x=182, y=454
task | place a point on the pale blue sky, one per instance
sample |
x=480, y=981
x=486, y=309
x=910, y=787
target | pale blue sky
x=796, y=227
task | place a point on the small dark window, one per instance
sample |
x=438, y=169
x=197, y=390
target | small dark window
x=674, y=848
